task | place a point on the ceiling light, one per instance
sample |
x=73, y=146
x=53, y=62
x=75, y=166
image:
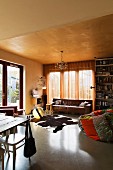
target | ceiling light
x=61, y=65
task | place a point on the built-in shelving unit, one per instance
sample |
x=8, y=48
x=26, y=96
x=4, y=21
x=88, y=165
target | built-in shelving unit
x=104, y=83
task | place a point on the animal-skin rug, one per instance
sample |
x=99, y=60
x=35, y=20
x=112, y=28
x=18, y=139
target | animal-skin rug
x=56, y=121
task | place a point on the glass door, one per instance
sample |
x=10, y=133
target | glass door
x=13, y=85
x=1, y=87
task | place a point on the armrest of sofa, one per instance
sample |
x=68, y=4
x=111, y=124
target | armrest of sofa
x=52, y=103
x=88, y=108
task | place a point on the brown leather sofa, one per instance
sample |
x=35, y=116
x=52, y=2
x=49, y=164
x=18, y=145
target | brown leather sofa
x=71, y=106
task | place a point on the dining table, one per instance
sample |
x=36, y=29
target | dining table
x=9, y=123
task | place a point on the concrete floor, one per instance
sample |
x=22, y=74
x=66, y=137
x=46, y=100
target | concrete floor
x=68, y=149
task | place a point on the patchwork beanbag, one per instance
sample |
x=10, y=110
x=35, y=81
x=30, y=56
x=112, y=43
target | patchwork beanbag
x=98, y=125
x=109, y=118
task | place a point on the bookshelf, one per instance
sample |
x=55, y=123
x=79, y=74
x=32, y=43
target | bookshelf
x=104, y=83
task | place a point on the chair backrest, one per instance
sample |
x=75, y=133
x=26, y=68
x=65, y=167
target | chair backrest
x=9, y=110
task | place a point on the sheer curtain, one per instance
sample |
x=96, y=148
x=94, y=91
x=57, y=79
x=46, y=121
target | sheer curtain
x=85, y=82
x=54, y=85
x=69, y=84
x=72, y=83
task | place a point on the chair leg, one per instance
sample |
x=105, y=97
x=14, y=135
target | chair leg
x=3, y=162
x=14, y=156
x=7, y=149
x=2, y=157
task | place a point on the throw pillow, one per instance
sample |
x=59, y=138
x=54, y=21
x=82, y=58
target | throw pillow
x=97, y=112
x=41, y=111
x=110, y=110
x=38, y=112
x=86, y=103
x=58, y=102
x=89, y=129
x=82, y=104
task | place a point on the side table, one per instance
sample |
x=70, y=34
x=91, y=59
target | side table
x=49, y=108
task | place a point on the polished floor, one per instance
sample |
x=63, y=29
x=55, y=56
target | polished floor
x=68, y=149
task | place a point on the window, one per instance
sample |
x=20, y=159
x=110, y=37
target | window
x=70, y=84
x=85, y=81
x=11, y=84
x=73, y=85
x=54, y=85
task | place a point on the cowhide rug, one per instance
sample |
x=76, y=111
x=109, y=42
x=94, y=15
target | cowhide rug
x=56, y=121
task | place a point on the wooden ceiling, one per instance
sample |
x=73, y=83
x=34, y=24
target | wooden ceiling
x=79, y=40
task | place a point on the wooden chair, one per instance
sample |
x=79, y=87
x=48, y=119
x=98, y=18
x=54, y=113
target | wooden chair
x=2, y=157
x=13, y=142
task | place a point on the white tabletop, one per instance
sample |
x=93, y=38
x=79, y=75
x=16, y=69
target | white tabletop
x=8, y=122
